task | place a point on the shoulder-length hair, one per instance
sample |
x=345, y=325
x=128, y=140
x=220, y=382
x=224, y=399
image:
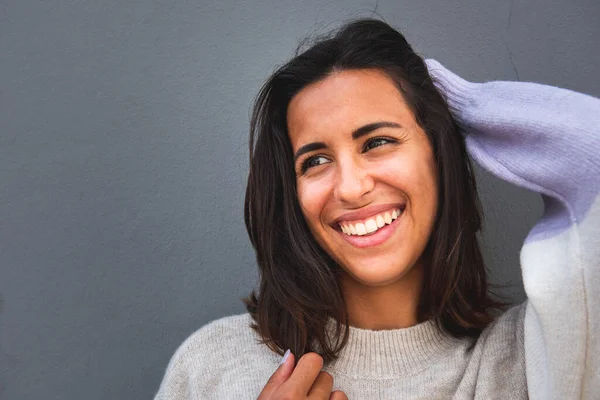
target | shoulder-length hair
x=299, y=287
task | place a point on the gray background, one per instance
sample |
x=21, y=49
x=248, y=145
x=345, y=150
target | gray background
x=123, y=134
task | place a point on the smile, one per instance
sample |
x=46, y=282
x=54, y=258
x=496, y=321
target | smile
x=370, y=225
x=373, y=230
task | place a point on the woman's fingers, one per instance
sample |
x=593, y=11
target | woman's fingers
x=306, y=372
x=338, y=395
x=305, y=381
x=279, y=377
x=321, y=388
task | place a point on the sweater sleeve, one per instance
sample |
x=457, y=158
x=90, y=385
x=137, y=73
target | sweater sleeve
x=176, y=383
x=545, y=139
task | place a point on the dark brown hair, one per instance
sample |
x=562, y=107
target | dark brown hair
x=299, y=287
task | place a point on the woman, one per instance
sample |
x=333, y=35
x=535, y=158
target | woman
x=362, y=208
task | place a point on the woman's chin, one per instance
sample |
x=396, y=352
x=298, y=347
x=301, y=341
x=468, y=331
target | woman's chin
x=375, y=274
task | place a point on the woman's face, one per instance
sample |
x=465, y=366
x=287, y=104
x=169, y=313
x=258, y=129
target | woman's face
x=366, y=175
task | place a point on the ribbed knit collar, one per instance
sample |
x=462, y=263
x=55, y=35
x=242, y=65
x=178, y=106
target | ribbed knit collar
x=392, y=353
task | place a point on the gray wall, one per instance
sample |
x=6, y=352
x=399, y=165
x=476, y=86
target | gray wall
x=123, y=157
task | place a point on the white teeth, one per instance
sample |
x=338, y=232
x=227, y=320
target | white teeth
x=360, y=229
x=387, y=218
x=371, y=225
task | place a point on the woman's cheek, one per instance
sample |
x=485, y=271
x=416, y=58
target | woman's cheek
x=397, y=172
x=312, y=198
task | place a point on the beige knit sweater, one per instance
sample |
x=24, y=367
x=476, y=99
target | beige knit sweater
x=223, y=360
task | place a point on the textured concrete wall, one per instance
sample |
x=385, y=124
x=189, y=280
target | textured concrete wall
x=123, y=134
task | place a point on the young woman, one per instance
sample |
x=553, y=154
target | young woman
x=362, y=208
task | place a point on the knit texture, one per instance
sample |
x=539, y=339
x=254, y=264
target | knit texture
x=540, y=137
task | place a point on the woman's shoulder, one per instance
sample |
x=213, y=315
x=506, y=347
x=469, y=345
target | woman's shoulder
x=508, y=327
x=509, y=319
x=218, y=359
x=498, y=356
x=503, y=340
x=219, y=336
x=231, y=324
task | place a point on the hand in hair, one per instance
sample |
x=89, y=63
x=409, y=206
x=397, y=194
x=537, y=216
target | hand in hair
x=305, y=381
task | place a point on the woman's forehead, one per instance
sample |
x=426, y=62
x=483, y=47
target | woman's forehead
x=344, y=101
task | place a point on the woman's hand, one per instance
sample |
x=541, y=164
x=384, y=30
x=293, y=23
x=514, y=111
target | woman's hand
x=306, y=381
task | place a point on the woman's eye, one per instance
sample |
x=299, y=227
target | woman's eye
x=375, y=142
x=313, y=161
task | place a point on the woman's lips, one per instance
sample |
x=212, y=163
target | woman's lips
x=373, y=239
x=370, y=224
x=367, y=212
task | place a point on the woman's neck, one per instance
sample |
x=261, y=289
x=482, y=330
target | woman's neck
x=392, y=306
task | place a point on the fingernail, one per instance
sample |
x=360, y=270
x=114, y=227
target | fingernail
x=285, y=356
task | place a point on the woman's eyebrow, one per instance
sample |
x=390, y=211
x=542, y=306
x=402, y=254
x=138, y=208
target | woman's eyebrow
x=308, y=148
x=363, y=130
x=357, y=133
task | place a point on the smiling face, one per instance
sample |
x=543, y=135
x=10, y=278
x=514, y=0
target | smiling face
x=366, y=175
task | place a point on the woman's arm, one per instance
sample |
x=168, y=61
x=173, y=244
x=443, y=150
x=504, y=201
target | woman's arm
x=546, y=139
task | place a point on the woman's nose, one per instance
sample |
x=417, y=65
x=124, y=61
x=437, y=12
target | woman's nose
x=352, y=182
